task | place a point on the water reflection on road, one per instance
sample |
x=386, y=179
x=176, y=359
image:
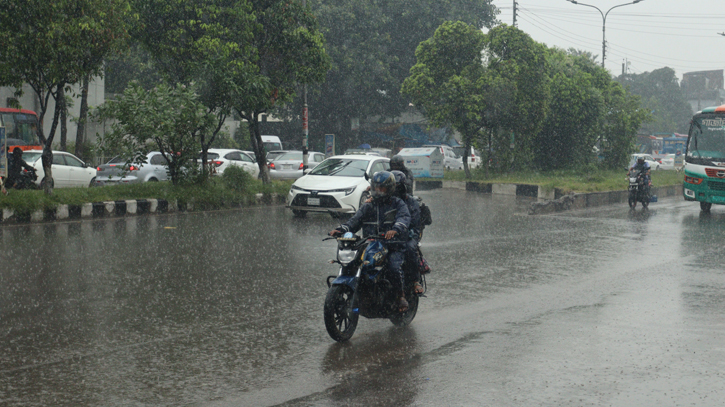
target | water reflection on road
x=225, y=308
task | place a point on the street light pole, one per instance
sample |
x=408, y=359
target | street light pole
x=604, y=22
x=305, y=122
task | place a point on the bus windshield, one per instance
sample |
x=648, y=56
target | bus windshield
x=707, y=140
x=21, y=129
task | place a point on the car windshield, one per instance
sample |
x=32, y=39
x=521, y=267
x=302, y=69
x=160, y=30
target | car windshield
x=31, y=157
x=341, y=167
x=291, y=156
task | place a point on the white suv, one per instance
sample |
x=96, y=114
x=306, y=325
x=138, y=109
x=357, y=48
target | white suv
x=451, y=161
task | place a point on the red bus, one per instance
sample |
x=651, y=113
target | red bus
x=21, y=128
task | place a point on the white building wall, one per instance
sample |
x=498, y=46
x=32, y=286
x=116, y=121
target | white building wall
x=96, y=97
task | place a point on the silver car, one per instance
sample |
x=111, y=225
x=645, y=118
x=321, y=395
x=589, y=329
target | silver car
x=117, y=171
x=289, y=164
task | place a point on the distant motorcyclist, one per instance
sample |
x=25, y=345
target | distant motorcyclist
x=412, y=260
x=397, y=163
x=641, y=166
x=387, y=215
x=16, y=164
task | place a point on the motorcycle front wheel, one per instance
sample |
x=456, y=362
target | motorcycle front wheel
x=405, y=318
x=632, y=200
x=340, y=320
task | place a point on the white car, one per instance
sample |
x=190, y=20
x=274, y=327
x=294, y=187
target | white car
x=667, y=162
x=68, y=170
x=654, y=165
x=222, y=158
x=451, y=161
x=289, y=164
x=337, y=185
x=474, y=159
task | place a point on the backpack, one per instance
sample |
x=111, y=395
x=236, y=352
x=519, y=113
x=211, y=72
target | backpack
x=425, y=216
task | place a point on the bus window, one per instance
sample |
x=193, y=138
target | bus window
x=21, y=128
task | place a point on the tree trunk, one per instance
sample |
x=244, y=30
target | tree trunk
x=63, y=120
x=466, y=153
x=258, y=147
x=47, y=156
x=80, y=133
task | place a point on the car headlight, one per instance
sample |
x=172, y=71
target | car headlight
x=296, y=188
x=347, y=191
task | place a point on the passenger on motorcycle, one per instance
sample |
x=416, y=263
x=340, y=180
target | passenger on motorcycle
x=642, y=165
x=411, y=247
x=16, y=178
x=386, y=215
x=397, y=163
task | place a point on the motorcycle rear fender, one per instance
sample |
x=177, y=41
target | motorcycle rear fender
x=350, y=281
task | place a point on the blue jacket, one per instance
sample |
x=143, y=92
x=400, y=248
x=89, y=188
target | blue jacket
x=414, y=209
x=379, y=217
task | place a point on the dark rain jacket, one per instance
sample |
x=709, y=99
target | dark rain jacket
x=379, y=217
x=414, y=209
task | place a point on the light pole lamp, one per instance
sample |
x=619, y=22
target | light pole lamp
x=604, y=22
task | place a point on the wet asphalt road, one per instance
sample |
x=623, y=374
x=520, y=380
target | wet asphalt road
x=596, y=307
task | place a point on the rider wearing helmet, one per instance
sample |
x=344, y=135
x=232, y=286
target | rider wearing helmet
x=397, y=163
x=641, y=166
x=411, y=248
x=388, y=215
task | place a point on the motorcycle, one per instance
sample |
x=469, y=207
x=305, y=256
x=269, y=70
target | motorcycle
x=362, y=287
x=638, y=189
x=26, y=180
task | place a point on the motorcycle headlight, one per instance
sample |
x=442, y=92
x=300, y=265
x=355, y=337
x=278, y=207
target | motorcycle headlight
x=346, y=256
x=347, y=191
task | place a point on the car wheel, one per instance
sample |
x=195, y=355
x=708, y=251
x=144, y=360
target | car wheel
x=93, y=182
x=153, y=180
x=299, y=214
x=364, y=197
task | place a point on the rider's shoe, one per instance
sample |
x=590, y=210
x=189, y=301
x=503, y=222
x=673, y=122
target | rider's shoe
x=402, y=304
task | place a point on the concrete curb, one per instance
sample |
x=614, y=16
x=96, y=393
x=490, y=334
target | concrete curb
x=109, y=209
x=556, y=200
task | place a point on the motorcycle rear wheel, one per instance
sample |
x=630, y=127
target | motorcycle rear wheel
x=340, y=320
x=405, y=318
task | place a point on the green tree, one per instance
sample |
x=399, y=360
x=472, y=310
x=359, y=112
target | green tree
x=167, y=119
x=662, y=96
x=573, y=124
x=622, y=118
x=289, y=52
x=372, y=46
x=206, y=42
x=493, y=84
x=52, y=44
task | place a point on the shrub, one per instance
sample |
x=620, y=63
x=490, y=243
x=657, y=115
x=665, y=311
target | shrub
x=236, y=178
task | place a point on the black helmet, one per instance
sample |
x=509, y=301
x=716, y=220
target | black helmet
x=397, y=163
x=640, y=160
x=400, y=189
x=385, y=181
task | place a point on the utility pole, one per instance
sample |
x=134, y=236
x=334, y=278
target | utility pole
x=305, y=122
x=604, y=21
x=515, y=10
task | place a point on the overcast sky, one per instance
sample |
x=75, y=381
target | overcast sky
x=680, y=34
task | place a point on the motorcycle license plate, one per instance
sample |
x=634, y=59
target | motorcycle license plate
x=313, y=201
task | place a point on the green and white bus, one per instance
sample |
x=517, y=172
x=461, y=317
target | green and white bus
x=705, y=158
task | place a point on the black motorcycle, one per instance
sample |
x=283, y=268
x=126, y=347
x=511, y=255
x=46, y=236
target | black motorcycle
x=363, y=287
x=26, y=180
x=639, y=189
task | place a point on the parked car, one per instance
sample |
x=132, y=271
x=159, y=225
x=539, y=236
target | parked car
x=450, y=160
x=337, y=185
x=653, y=164
x=274, y=154
x=474, y=158
x=362, y=151
x=68, y=170
x=289, y=164
x=222, y=158
x=118, y=171
x=667, y=162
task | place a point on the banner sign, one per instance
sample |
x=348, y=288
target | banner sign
x=329, y=145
